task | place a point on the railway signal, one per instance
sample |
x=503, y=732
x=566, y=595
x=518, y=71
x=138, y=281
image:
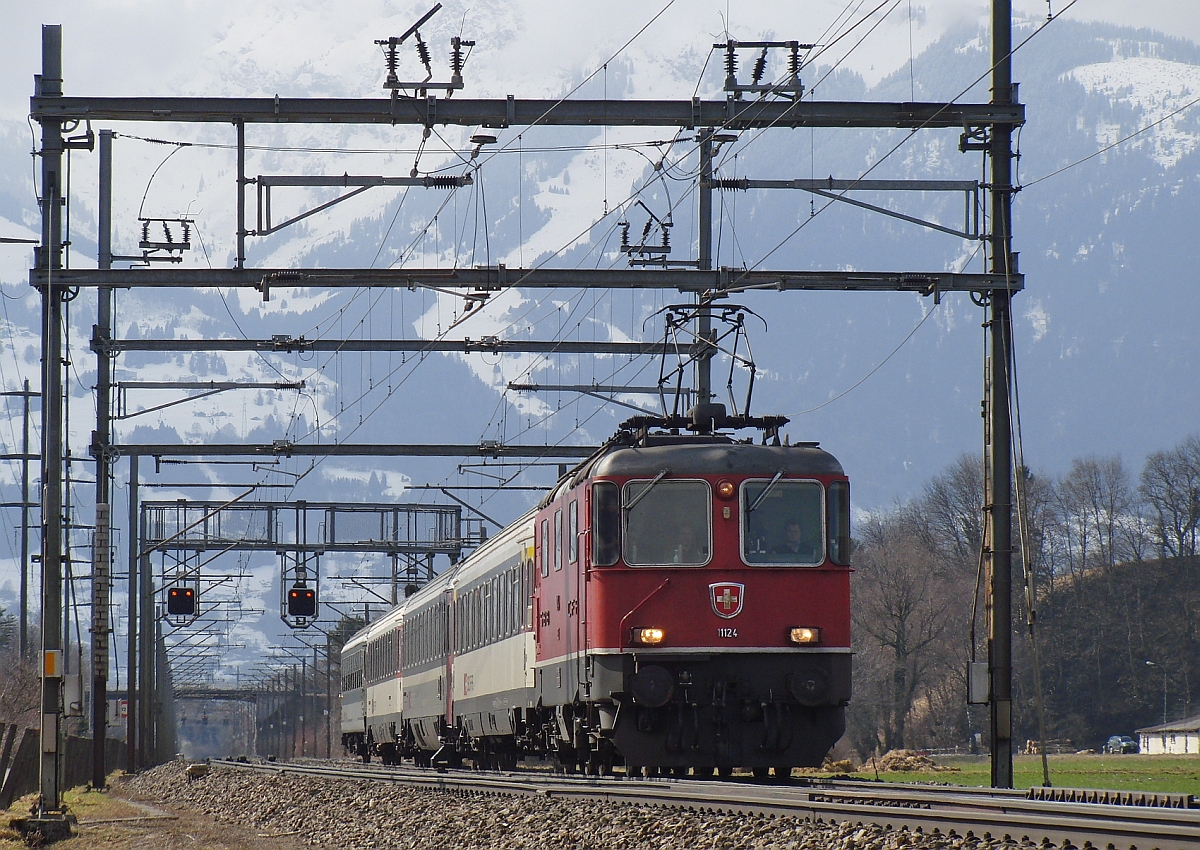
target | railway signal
x=302, y=602
x=181, y=602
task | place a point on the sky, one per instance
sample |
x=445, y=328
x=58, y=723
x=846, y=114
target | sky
x=230, y=47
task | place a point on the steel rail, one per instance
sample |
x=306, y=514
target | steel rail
x=986, y=813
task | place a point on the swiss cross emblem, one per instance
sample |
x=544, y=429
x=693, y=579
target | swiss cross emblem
x=726, y=598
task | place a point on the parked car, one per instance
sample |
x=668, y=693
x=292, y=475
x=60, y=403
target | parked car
x=1120, y=744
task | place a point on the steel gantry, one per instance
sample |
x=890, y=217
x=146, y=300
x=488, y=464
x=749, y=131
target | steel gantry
x=985, y=126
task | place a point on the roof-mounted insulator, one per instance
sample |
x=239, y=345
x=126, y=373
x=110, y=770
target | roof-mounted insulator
x=624, y=225
x=794, y=60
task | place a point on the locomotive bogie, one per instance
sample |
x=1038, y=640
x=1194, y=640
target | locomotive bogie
x=732, y=709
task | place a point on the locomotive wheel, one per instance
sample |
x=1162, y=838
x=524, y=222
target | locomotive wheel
x=632, y=771
x=724, y=772
x=761, y=773
x=783, y=773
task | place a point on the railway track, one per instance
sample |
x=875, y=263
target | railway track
x=993, y=815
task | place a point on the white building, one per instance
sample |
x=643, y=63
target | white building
x=1180, y=737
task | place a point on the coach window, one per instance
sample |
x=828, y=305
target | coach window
x=667, y=522
x=606, y=524
x=558, y=540
x=490, y=632
x=782, y=522
x=476, y=611
x=544, y=554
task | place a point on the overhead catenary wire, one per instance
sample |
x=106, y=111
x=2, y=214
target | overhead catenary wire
x=660, y=13
x=1113, y=145
x=886, y=156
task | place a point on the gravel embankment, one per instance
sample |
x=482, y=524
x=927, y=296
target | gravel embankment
x=360, y=814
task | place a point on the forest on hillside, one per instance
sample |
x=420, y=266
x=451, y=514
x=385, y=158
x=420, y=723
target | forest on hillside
x=1107, y=561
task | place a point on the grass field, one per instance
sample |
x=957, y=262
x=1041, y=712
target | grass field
x=1175, y=774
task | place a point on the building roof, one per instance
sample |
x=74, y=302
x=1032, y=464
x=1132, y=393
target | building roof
x=1188, y=724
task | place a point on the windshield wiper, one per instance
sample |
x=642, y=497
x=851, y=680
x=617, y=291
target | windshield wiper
x=770, y=486
x=642, y=494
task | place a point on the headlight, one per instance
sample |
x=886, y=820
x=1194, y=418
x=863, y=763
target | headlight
x=804, y=635
x=725, y=490
x=648, y=637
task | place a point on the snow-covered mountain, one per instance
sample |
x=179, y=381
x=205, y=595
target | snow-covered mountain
x=1107, y=356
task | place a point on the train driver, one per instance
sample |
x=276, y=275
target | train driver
x=795, y=546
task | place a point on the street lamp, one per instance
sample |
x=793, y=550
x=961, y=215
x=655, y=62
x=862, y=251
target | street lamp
x=1164, y=672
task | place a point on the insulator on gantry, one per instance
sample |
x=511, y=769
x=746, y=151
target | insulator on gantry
x=731, y=59
x=423, y=54
x=456, y=55
x=760, y=67
x=391, y=60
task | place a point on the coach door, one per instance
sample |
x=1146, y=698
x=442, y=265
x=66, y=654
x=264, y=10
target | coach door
x=528, y=648
x=442, y=633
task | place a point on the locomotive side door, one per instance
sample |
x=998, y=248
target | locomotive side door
x=579, y=568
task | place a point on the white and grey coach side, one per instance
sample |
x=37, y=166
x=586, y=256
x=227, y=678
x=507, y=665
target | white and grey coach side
x=457, y=653
x=371, y=685
x=425, y=660
x=493, y=660
x=354, y=695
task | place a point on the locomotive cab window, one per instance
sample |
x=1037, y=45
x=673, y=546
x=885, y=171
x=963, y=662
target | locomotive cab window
x=782, y=522
x=606, y=524
x=667, y=523
x=839, y=523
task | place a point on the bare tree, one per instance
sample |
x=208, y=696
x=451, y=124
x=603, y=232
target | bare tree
x=20, y=687
x=951, y=512
x=1170, y=485
x=902, y=613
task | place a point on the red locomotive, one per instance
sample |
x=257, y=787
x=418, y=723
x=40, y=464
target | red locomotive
x=681, y=600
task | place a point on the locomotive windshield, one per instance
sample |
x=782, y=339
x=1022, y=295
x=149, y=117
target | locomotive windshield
x=781, y=522
x=668, y=523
